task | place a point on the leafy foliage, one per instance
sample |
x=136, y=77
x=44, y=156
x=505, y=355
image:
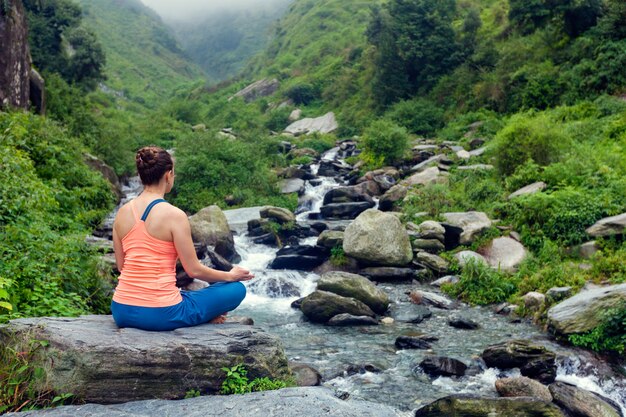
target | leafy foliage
x=237, y=382
x=610, y=336
x=385, y=140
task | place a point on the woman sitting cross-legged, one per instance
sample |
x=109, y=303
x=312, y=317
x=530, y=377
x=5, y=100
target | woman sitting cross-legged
x=149, y=235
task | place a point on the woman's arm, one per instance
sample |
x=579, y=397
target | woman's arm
x=181, y=233
x=119, y=251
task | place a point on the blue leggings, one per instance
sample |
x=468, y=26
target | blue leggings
x=196, y=308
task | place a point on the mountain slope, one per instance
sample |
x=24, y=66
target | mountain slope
x=144, y=61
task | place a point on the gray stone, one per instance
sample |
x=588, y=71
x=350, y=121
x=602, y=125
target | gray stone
x=345, y=210
x=429, y=245
x=608, y=226
x=582, y=403
x=430, y=298
x=210, y=227
x=295, y=115
x=463, y=405
x=350, y=320
x=529, y=189
x=465, y=256
x=292, y=185
x=584, y=311
x=299, y=152
x=323, y=124
x=279, y=214
x=201, y=127
x=291, y=402
x=476, y=167
x=427, y=163
x=477, y=152
x=431, y=230
x=523, y=387
x=95, y=360
x=390, y=273
x=556, y=294
x=433, y=262
x=429, y=176
x=463, y=323
x=443, y=366
x=411, y=313
x=534, y=301
x=378, y=238
x=395, y=194
x=321, y=306
x=463, y=154
x=357, y=287
x=305, y=375
x=588, y=249
x=448, y=279
x=412, y=342
x=534, y=361
x=330, y=238
x=472, y=222
x=505, y=254
x=261, y=88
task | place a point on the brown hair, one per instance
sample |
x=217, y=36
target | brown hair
x=152, y=163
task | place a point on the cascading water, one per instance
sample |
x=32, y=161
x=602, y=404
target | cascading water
x=363, y=360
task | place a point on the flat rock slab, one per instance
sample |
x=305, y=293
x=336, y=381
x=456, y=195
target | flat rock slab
x=609, y=226
x=291, y=402
x=323, y=124
x=98, y=362
x=469, y=406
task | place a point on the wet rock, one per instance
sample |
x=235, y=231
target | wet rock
x=276, y=287
x=472, y=223
x=608, y=226
x=433, y=246
x=321, y=306
x=448, y=279
x=278, y=214
x=292, y=185
x=584, y=311
x=442, y=366
x=357, y=287
x=429, y=176
x=323, y=124
x=297, y=303
x=210, y=227
x=505, y=254
x=463, y=323
x=470, y=406
x=332, y=169
x=330, y=239
x=505, y=309
x=291, y=402
x=346, y=195
x=523, y=387
x=529, y=189
x=465, y=256
x=350, y=320
x=395, y=194
x=305, y=375
x=423, y=165
x=377, y=238
x=370, y=188
x=433, y=262
x=345, y=210
x=582, y=403
x=95, y=360
x=355, y=369
x=556, y=294
x=261, y=88
x=432, y=299
x=411, y=342
x=411, y=313
x=390, y=273
x=534, y=361
x=302, y=257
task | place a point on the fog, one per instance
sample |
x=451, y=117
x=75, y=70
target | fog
x=181, y=10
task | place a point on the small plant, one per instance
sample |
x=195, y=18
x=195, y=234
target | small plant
x=480, y=284
x=385, y=140
x=237, y=382
x=192, y=393
x=338, y=256
x=302, y=160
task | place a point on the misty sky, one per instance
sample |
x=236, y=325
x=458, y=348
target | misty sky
x=185, y=9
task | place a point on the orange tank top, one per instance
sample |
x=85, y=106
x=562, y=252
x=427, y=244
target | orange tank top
x=148, y=278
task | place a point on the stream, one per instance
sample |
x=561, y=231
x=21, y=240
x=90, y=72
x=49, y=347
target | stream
x=378, y=371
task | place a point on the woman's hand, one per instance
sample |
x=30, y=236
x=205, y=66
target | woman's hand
x=240, y=274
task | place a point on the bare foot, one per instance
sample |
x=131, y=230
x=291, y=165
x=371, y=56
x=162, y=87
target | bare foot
x=219, y=319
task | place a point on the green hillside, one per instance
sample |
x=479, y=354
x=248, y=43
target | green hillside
x=223, y=42
x=143, y=59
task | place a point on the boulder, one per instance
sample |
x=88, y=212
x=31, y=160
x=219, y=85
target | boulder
x=534, y=361
x=107, y=172
x=295, y=115
x=291, y=185
x=390, y=273
x=395, y=194
x=428, y=245
x=292, y=402
x=350, y=320
x=588, y=249
x=431, y=230
x=428, y=176
x=523, y=387
x=210, y=227
x=305, y=375
x=299, y=152
x=261, y=88
x=432, y=299
x=330, y=238
x=505, y=254
x=556, y=294
x=274, y=287
x=463, y=323
x=579, y=402
x=410, y=313
x=429, y=162
x=95, y=360
x=463, y=405
x=323, y=124
x=321, y=306
x=448, y=279
x=534, y=300
x=442, y=366
x=345, y=210
x=476, y=167
x=357, y=287
x=472, y=223
x=301, y=257
x=378, y=238
x=278, y=214
x=584, y=311
x=529, y=189
x=608, y=226
x=412, y=342
x=346, y=195
x=433, y=262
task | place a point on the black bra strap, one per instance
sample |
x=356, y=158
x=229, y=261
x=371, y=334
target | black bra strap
x=152, y=204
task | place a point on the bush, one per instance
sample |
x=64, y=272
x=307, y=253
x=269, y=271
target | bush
x=237, y=382
x=419, y=116
x=610, y=336
x=529, y=137
x=480, y=284
x=385, y=139
x=303, y=93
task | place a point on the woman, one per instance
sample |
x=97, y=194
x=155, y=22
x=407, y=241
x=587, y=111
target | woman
x=149, y=235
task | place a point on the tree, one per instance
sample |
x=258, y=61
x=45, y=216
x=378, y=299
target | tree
x=86, y=63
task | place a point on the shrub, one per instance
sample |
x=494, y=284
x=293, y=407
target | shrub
x=237, y=382
x=529, y=137
x=480, y=284
x=419, y=116
x=303, y=93
x=385, y=139
x=609, y=336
